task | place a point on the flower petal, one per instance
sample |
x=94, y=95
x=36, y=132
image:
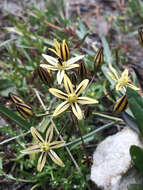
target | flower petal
x=31, y=149
x=71, y=66
x=132, y=86
x=68, y=85
x=54, y=51
x=114, y=72
x=65, y=51
x=53, y=61
x=41, y=161
x=61, y=108
x=81, y=87
x=36, y=135
x=49, y=134
x=118, y=86
x=49, y=67
x=57, y=46
x=60, y=76
x=76, y=110
x=86, y=100
x=58, y=93
x=56, y=144
x=121, y=104
x=112, y=76
x=55, y=158
x=125, y=73
x=74, y=59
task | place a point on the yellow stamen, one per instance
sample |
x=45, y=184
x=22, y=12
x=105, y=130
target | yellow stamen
x=61, y=67
x=72, y=98
x=123, y=81
x=44, y=147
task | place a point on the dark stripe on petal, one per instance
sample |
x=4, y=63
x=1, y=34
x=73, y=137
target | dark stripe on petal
x=35, y=149
x=43, y=155
x=79, y=89
x=125, y=106
x=61, y=52
x=121, y=105
x=15, y=98
x=66, y=52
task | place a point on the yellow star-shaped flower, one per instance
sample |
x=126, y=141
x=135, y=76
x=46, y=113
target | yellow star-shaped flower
x=45, y=147
x=72, y=98
x=60, y=66
x=123, y=81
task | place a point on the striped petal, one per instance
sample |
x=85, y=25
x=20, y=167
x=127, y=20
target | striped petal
x=53, y=61
x=125, y=73
x=86, y=100
x=56, y=144
x=55, y=158
x=68, y=85
x=61, y=108
x=49, y=67
x=74, y=59
x=31, y=149
x=57, y=45
x=121, y=104
x=36, y=135
x=60, y=76
x=114, y=72
x=71, y=66
x=132, y=86
x=54, y=51
x=118, y=86
x=65, y=51
x=81, y=87
x=41, y=161
x=24, y=110
x=58, y=93
x=49, y=134
x=15, y=98
x=76, y=110
x=112, y=76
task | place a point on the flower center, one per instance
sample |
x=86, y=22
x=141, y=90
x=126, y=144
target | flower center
x=72, y=98
x=123, y=81
x=44, y=147
x=61, y=65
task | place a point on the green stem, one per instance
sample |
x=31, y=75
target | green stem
x=92, y=133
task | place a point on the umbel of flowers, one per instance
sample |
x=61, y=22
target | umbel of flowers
x=71, y=97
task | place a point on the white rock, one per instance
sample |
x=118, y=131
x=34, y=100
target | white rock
x=112, y=159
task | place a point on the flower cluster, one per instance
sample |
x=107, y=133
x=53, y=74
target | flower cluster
x=71, y=96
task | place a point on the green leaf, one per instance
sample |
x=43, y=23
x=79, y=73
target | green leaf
x=136, y=106
x=1, y=164
x=107, y=51
x=15, y=118
x=137, y=157
x=5, y=83
x=135, y=187
x=7, y=42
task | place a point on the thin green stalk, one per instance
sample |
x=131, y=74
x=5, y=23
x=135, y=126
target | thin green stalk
x=92, y=133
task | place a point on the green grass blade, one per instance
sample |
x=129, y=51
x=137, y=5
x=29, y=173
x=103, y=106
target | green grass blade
x=15, y=118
